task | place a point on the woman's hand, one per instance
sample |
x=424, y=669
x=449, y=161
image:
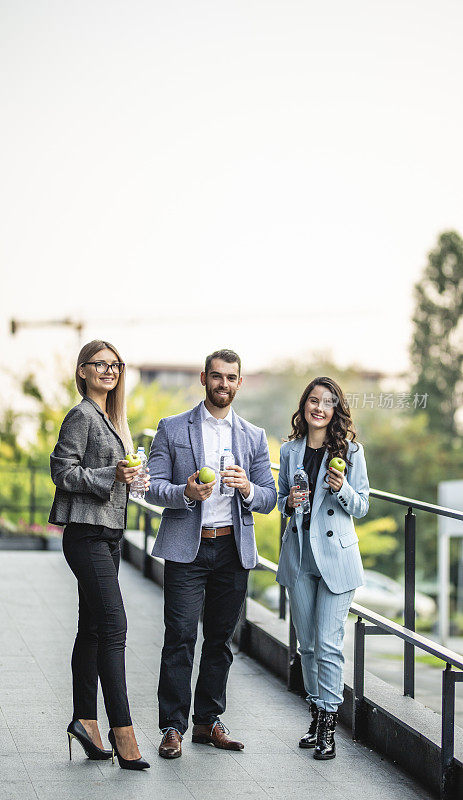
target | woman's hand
x=296, y=496
x=334, y=479
x=147, y=480
x=124, y=473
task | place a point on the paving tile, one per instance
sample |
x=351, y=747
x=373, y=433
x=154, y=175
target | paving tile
x=12, y=768
x=302, y=790
x=20, y=790
x=273, y=767
x=210, y=790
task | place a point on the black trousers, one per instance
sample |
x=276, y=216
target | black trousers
x=217, y=579
x=93, y=554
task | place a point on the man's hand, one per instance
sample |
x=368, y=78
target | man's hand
x=198, y=491
x=235, y=476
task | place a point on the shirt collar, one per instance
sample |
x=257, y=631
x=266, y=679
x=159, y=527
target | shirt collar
x=206, y=416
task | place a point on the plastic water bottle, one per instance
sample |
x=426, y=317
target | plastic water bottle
x=226, y=460
x=301, y=479
x=137, y=487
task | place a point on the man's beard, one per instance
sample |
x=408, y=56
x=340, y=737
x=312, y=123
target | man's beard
x=220, y=401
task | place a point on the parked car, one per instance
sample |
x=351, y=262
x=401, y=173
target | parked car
x=379, y=593
x=386, y=597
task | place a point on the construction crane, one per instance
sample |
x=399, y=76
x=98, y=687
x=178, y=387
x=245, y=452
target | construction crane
x=16, y=324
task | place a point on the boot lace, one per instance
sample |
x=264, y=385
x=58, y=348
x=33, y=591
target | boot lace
x=325, y=728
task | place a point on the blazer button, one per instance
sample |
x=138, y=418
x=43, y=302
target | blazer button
x=330, y=511
x=294, y=528
x=329, y=533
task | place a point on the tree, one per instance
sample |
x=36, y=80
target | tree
x=436, y=349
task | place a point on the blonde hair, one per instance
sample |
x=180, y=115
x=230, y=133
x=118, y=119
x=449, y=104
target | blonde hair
x=116, y=406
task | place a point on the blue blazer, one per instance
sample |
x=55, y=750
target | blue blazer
x=176, y=453
x=332, y=534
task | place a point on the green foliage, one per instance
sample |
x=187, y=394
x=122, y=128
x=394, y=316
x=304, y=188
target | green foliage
x=375, y=540
x=406, y=454
x=147, y=404
x=436, y=349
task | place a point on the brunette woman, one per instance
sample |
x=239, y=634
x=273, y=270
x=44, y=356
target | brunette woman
x=320, y=561
x=92, y=481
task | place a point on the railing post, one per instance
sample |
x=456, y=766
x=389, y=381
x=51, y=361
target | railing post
x=282, y=613
x=448, y=723
x=409, y=601
x=242, y=626
x=146, y=556
x=32, y=495
x=359, y=679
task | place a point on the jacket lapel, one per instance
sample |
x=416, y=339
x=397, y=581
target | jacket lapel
x=105, y=418
x=297, y=457
x=239, y=448
x=321, y=487
x=196, y=437
x=241, y=452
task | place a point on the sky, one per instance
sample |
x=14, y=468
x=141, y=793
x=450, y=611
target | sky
x=267, y=175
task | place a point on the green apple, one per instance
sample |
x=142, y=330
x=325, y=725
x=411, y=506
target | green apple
x=338, y=463
x=133, y=459
x=206, y=475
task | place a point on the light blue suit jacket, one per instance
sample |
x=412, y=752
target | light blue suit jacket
x=332, y=534
x=176, y=453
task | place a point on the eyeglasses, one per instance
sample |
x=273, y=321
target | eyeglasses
x=102, y=367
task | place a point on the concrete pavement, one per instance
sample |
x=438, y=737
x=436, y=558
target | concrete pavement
x=38, y=604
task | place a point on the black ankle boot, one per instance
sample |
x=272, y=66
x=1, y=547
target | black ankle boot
x=310, y=738
x=325, y=747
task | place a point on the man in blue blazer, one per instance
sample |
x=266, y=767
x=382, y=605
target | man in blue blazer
x=207, y=540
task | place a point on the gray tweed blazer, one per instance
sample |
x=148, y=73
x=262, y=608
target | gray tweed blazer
x=83, y=469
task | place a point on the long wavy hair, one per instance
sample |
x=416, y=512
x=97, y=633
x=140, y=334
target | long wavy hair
x=340, y=428
x=116, y=406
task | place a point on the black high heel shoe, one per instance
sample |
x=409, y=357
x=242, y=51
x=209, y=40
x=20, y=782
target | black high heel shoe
x=124, y=763
x=77, y=731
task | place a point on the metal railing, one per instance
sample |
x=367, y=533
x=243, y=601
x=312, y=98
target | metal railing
x=379, y=626
x=33, y=504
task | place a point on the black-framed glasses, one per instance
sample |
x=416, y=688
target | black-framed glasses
x=102, y=367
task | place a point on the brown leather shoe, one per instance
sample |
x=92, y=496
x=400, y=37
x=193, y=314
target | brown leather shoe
x=215, y=734
x=171, y=744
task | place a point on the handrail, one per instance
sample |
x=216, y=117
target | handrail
x=418, y=504
x=389, y=626
x=378, y=494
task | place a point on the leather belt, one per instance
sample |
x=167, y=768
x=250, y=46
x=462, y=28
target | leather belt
x=212, y=533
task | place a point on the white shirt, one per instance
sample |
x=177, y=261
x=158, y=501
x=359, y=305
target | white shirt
x=217, y=435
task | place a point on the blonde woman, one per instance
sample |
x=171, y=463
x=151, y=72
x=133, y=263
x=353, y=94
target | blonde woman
x=92, y=481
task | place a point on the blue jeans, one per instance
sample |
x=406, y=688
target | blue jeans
x=216, y=579
x=319, y=617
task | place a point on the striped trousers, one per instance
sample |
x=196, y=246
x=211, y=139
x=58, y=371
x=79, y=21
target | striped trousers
x=319, y=617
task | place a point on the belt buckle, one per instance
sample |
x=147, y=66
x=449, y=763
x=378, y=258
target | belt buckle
x=215, y=533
